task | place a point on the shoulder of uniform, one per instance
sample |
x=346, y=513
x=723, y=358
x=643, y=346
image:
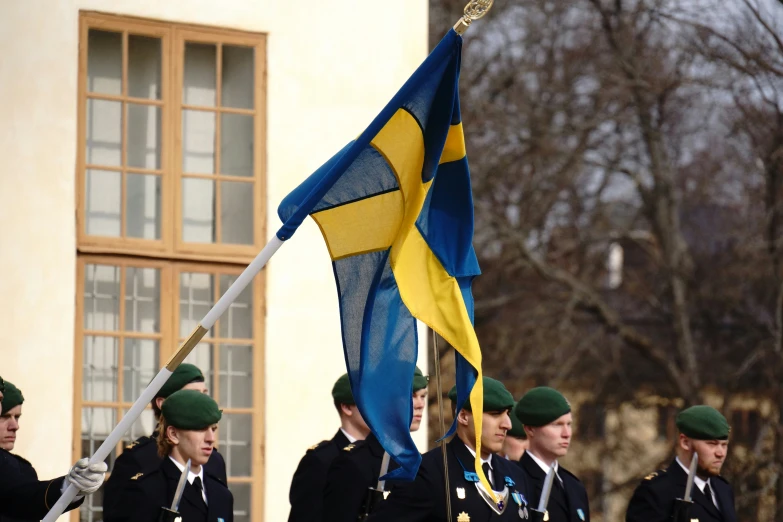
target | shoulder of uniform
x=350, y=447
x=21, y=459
x=564, y=471
x=356, y=446
x=138, y=443
x=721, y=479
x=655, y=475
x=318, y=445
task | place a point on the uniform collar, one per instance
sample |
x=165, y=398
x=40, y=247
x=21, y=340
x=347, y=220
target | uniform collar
x=191, y=476
x=543, y=466
x=483, y=461
x=348, y=436
x=700, y=482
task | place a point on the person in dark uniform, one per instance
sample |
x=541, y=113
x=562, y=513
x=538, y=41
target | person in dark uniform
x=23, y=497
x=703, y=430
x=546, y=416
x=11, y=408
x=187, y=431
x=424, y=499
x=358, y=466
x=142, y=455
x=307, y=486
x=516, y=440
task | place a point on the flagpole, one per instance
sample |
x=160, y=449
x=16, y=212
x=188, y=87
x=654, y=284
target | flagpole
x=160, y=379
x=436, y=362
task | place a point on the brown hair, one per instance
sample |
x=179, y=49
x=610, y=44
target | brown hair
x=164, y=444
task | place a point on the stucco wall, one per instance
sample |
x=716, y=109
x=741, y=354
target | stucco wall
x=331, y=67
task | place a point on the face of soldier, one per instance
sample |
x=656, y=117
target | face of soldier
x=551, y=442
x=196, y=445
x=712, y=455
x=9, y=425
x=495, y=425
x=419, y=403
x=514, y=447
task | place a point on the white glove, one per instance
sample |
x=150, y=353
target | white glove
x=87, y=477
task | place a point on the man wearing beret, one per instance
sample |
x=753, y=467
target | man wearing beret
x=26, y=498
x=424, y=499
x=516, y=439
x=188, y=432
x=358, y=466
x=546, y=416
x=11, y=407
x=704, y=431
x=142, y=456
x=309, y=482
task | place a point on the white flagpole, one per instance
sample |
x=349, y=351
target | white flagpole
x=152, y=389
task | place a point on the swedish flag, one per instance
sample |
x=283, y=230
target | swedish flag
x=396, y=210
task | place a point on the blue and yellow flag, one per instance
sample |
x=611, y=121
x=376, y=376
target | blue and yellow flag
x=396, y=210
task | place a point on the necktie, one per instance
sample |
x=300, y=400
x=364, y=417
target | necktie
x=708, y=493
x=487, y=473
x=199, y=487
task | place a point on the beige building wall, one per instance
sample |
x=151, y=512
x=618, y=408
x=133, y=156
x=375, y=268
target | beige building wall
x=331, y=68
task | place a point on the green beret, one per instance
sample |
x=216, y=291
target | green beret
x=2, y=385
x=190, y=410
x=419, y=380
x=12, y=397
x=183, y=375
x=540, y=406
x=517, y=428
x=496, y=396
x=341, y=391
x=703, y=423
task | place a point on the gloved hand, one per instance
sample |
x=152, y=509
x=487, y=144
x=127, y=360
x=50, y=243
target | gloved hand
x=87, y=478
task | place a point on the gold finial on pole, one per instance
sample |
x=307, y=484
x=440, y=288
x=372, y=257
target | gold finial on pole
x=473, y=11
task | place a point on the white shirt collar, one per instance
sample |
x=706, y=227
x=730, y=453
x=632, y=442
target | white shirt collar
x=192, y=476
x=542, y=464
x=700, y=482
x=348, y=436
x=473, y=452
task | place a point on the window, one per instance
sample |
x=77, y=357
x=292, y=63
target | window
x=170, y=206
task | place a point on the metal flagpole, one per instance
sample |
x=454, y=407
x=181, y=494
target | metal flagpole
x=182, y=352
x=436, y=361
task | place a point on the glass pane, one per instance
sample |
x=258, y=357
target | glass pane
x=236, y=376
x=99, y=379
x=236, y=144
x=104, y=62
x=201, y=356
x=200, y=86
x=198, y=142
x=237, y=82
x=92, y=508
x=237, y=322
x=142, y=299
x=144, y=425
x=196, y=297
x=198, y=210
x=143, y=206
x=236, y=212
x=97, y=423
x=144, y=136
x=241, y=494
x=103, y=129
x=234, y=437
x=102, y=210
x=140, y=366
x=102, y=298
x=144, y=64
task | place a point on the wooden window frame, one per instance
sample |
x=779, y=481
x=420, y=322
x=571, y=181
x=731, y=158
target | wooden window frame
x=173, y=37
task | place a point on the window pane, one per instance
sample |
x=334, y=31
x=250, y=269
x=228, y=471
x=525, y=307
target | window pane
x=236, y=144
x=144, y=425
x=141, y=365
x=97, y=423
x=198, y=210
x=103, y=130
x=234, y=437
x=92, y=508
x=102, y=298
x=236, y=376
x=201, y=356
x=237, y=322
x=102, y=203
x=99, y=369
x=198, y=142
x=104, y=62
x=144, y=136
x=236, y=212
x=196, y=297
x=200, y=74
x=238, y=70
x=143, y=206
x=241, y=493
x=144, y=64
x=142, y=299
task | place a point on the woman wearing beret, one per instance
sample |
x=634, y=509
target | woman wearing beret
x=187, y=432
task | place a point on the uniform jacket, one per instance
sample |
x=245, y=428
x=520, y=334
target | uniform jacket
x=567, y=502
x=141, y=456
x=148, y=492
x=23, y=496
x=424, y=499
x=654, y=498
x=27, y=473
x=309, y=482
